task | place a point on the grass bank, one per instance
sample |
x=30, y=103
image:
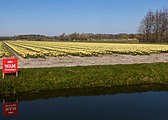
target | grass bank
x=42, y=79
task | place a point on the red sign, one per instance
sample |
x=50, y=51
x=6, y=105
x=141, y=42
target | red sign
x=10, y=65
x=10, y=109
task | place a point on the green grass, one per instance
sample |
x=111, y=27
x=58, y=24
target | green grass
x=44, y=79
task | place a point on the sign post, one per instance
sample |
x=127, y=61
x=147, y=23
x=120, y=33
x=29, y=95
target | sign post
x=10, y=109
x=9, y=65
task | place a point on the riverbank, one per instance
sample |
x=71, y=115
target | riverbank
x=46, y=79
x=97, y=91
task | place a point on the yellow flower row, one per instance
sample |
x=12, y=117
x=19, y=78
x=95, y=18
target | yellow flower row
x=3, y=51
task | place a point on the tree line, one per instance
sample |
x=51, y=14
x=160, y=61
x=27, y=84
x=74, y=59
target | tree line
x=73, y=37
x=154, y=26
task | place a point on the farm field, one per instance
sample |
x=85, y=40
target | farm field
x=34, y=49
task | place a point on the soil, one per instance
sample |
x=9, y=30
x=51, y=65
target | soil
x=67, y=61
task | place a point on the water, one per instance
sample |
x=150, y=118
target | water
x=119, y=106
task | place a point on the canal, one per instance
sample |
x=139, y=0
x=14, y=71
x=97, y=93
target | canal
x=107, y=105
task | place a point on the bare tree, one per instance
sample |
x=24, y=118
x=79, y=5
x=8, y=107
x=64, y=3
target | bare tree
x=164, y=23
x=154, y=26
x=147, y=24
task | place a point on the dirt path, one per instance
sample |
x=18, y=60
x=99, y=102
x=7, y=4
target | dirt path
x=85, y=61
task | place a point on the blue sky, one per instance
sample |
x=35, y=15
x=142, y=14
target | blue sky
x=53, y=17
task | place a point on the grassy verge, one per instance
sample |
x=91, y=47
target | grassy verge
x=39, y=79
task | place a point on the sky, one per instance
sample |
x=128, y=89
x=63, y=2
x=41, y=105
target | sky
x=54, y=17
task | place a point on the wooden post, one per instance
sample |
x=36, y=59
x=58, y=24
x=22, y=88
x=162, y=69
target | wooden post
x=3, y=100
x=16, y=74
x=3, y=75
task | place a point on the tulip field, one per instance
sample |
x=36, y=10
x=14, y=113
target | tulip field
x=34, y=49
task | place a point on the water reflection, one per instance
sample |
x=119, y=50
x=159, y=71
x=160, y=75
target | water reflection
x=10, y=108
x=129, y=103
x=133, y=106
